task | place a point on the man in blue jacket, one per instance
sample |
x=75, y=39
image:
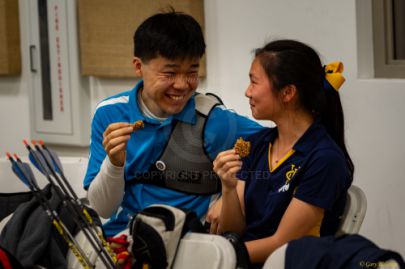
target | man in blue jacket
x=169, y=160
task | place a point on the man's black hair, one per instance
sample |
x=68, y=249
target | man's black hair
x=173, y=35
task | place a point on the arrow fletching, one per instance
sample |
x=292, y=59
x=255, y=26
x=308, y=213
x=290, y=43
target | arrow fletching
x=30, y=174
x=55, y=160
x=38, y=161
x=18, y=172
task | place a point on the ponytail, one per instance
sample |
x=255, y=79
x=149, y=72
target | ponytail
x=331, y=114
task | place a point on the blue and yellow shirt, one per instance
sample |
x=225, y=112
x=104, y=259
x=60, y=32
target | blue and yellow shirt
x=314, y=171
x=222, y=128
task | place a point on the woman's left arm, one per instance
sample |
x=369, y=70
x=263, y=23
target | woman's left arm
x=298, y=220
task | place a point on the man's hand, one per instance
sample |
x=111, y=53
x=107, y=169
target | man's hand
x=213, y=215
x=115, y=141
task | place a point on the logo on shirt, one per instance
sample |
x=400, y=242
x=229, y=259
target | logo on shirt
x=288, y=176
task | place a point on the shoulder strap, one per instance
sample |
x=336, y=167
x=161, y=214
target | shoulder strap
x=204, y=103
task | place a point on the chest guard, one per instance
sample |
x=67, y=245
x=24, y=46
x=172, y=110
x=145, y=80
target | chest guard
x=184, y=165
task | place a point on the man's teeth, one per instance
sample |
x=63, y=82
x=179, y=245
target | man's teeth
x=176, y=97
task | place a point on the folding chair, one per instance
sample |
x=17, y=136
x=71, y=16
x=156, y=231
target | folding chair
x=354, y=212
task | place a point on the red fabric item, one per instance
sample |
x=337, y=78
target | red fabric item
x=123, y=255
x=122, y=240
x=119, y=245
x=4, y=260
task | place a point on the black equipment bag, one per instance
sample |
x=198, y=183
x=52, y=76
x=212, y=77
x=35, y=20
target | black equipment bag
x=10, y=201
x=156, y=232
x=32, y=239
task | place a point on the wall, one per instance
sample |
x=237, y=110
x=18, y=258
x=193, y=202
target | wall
x=373, y=107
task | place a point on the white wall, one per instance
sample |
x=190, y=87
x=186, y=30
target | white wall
x=233, y=28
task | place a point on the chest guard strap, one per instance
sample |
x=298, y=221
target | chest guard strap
x=184, y=165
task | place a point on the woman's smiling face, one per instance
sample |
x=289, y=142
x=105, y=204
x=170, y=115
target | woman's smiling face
x=263, y=100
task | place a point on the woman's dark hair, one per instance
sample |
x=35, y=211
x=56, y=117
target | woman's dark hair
x=290, y=62
x=173, y=35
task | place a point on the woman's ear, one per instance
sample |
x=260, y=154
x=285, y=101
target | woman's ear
x=289, y=93
x=137, y=64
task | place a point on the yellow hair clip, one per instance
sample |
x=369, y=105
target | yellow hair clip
x=333, y=75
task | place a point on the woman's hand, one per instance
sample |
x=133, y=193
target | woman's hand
x=226, y=165
x=115, y=141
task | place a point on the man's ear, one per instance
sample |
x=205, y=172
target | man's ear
x=289, y=93
x=137, y=64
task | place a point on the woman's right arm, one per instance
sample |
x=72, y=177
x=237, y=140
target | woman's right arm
x=232, y=218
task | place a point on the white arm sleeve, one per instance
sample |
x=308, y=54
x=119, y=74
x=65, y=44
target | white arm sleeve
x=106, y=191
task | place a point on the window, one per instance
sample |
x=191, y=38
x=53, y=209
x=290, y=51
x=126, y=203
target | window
x=389, y=38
